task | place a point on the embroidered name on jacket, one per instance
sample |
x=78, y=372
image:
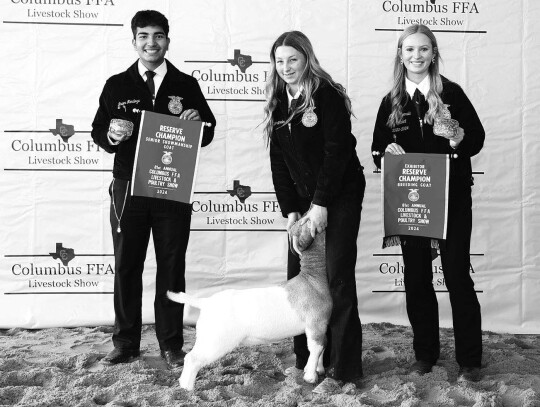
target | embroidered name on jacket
x=398, y=129
x=128, y=102
x=404, y=118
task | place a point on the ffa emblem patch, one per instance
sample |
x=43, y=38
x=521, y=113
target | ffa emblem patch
x=167, y=157
x=309, y=118
x=175, y=106
x=413, y=195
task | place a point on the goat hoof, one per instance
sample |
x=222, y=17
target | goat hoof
x=311, y=378
x=185, y=386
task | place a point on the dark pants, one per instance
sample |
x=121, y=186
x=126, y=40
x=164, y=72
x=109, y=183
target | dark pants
x=170, y=231
x=343, y=353
x=422, y=307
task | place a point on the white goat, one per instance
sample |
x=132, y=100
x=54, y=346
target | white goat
x=260, y=315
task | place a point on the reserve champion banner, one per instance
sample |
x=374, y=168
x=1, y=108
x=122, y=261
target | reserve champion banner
x=57, y=263
x=166, y=157
x=415, y=195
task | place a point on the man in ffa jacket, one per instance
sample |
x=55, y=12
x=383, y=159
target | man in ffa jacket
x=154, y=84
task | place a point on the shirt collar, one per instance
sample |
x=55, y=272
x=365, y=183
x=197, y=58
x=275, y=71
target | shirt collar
x=160, y=70
x=422, y=86
x=296, y=96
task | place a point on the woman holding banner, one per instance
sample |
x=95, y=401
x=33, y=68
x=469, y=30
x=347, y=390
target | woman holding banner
x=316, y=171
x=416, y=117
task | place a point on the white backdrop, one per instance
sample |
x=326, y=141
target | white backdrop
x=56, y=265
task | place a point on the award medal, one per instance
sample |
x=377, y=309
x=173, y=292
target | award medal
x=446, y=112
x=309, y=118
x=167, y=157
x=175, y=106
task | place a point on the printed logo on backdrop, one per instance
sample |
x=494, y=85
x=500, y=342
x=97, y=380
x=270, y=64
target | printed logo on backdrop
x=58, y=272
x=438, y=15
x=58, y=148
x=239, y=78
x=391, y=273
x=65, y=131
x=60, y=12
x=64, y=254
x=242, y=61
x=241, y=191
x=231, y=210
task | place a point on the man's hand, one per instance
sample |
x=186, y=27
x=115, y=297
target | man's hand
x=116, y=138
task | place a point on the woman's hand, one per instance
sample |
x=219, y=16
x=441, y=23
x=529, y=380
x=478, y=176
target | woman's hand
x=190, y=114
x=293, y=240
x=457, y=138
x=394, y=149
x=291, y=218
x=318, y=218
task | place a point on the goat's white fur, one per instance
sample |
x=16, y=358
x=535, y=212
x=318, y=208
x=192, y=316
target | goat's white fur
x=260, y=315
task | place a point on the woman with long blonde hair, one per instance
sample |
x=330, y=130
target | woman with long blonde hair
x=405, y=123
x=316, y=172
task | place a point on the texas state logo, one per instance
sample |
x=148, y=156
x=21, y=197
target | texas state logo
x=241, y=78
x=242, y=192
x=65, y=131
x=65, y=255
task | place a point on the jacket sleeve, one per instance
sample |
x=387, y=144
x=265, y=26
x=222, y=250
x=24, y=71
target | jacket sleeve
x=205, y=113
x=100, y=125
x=382, y=134
x=283, y=184
x=468, y=119
x=338, y=148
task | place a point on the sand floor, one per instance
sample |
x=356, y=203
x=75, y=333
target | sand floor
x=61, y=367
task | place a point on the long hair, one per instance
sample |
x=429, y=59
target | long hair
x=310, y=79
x=398, y=94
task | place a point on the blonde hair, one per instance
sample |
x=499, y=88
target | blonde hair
x=310, y=79
x=398, y=94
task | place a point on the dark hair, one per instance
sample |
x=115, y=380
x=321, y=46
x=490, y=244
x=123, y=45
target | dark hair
x=145, y=18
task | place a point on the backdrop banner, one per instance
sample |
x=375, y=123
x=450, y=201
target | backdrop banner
x=57, y=263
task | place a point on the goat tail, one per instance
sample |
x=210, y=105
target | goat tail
x=184, y=298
